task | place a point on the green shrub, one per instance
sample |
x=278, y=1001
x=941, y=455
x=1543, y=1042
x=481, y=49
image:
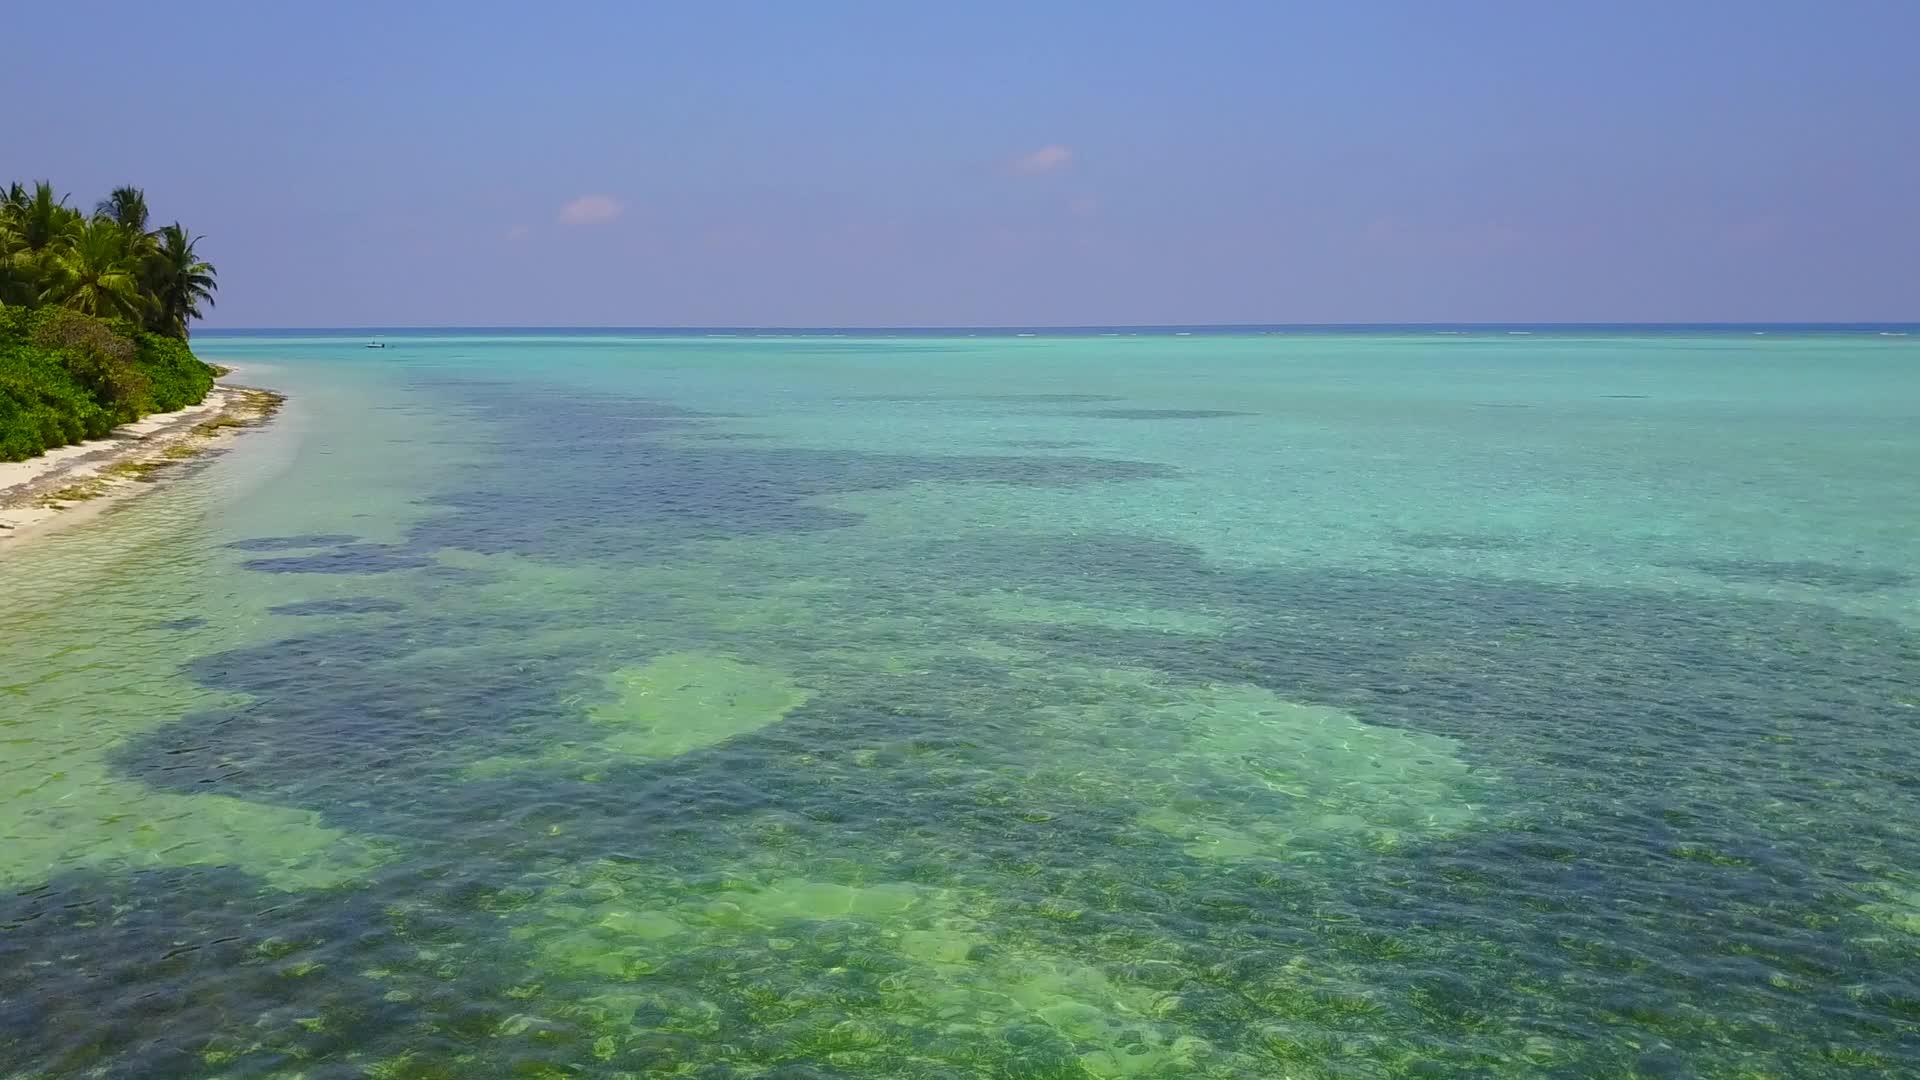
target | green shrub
x=62, y=328
x=178, y=378
x=41, y=405
x=65, y=377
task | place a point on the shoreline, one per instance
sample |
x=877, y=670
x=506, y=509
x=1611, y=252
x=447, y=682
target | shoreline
x=71, y=484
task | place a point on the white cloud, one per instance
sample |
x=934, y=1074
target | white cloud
x=1047, y=159
x=591, y=210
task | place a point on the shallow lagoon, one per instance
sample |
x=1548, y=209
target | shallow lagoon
x=1241, y=706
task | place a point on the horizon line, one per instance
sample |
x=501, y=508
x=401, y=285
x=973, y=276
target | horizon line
x=927, y=327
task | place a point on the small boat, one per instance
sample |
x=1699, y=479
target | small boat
x=376, y=344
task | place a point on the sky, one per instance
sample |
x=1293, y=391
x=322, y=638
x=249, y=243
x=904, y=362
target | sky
x=886, y=164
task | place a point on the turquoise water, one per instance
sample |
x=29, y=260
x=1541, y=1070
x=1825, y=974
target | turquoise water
x=1310, y=705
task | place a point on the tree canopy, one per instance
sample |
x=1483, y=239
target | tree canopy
x=107, y=264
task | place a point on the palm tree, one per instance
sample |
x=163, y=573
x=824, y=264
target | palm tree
x=178, y=280
x=95, y=272
x=32, y=222
x=127, y=206
x=39, y=217
x=108, y=264
x=16, y=267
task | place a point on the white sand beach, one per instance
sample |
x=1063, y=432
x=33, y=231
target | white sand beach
x=74, y=483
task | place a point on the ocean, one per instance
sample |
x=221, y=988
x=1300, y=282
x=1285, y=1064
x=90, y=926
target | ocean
x=1180, y=702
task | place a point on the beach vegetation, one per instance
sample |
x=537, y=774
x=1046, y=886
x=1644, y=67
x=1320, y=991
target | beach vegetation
x=94, y=310
x=68, y=374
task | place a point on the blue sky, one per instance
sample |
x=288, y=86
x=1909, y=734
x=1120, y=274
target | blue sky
x=901, y=164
